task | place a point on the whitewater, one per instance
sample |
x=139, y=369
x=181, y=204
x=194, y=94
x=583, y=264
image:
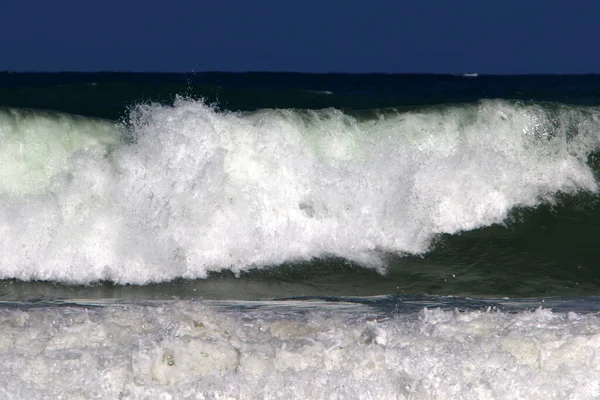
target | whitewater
x=193, y=350
x=182, y=190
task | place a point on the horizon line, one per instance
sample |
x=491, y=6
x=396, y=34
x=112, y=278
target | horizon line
x=458, y=74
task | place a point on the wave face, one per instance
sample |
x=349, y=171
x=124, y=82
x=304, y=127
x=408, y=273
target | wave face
x=36, y=146
x=183, y=190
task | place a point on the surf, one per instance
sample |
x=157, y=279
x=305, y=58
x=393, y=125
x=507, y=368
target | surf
x=185, y=349
x=178, y=191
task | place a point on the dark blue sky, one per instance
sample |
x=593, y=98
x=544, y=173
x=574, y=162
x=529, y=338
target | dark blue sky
x=436, y=36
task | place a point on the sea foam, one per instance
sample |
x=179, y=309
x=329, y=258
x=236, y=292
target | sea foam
x=188, y=350
x=182, y=190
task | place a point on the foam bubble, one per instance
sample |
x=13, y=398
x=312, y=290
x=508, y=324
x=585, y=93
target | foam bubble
x=198, y=190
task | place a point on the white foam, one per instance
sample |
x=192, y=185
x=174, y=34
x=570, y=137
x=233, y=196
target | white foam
x=200, y=190
x=189, y=350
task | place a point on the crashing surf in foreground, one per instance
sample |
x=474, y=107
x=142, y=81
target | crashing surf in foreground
x=201, y=350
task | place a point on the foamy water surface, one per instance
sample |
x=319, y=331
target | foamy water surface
x=194, y=350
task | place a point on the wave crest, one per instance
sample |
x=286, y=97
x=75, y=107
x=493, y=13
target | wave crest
x=199, y=190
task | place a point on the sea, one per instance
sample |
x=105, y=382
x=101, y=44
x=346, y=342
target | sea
x=299, y=236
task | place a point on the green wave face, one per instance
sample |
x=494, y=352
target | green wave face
x=36, y=146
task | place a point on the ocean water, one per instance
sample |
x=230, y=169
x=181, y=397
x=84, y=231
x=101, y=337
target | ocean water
x=309, y=236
